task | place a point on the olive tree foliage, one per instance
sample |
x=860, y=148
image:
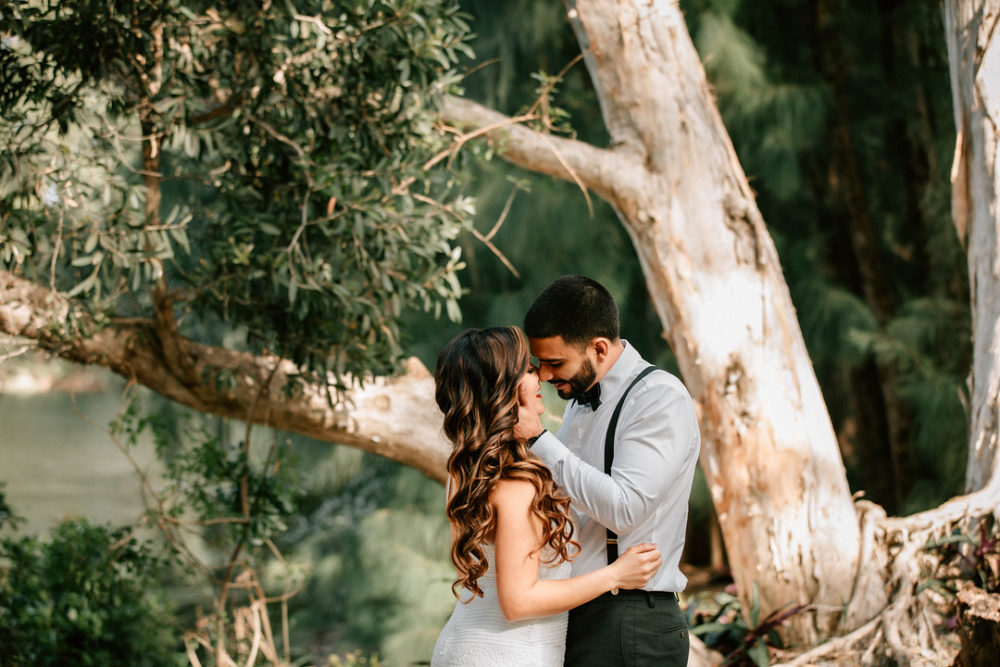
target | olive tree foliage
x=181, y=164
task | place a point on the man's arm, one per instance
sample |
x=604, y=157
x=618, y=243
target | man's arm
x=657, y=429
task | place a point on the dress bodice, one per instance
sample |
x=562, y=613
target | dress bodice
x=478, y=635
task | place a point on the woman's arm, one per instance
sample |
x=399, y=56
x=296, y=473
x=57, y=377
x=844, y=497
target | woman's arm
x=521, y=593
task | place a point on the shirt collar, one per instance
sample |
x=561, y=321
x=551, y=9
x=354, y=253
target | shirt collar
x=619, y=374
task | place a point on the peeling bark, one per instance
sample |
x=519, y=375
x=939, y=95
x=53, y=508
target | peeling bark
x=971, y=29
x=978, y=627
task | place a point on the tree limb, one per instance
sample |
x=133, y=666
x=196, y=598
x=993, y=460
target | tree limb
x=611, y=173
x=944, y=517
x=393, y=417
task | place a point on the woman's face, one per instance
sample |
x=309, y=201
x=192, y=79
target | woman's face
x=529, y=391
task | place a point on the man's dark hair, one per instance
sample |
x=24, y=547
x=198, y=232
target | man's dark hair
x=575, y=307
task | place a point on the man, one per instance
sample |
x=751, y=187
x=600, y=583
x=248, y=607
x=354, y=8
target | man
x=572, y=328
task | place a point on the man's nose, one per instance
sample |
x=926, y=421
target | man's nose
x=545, y=374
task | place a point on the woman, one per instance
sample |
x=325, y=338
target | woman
x=511, y=533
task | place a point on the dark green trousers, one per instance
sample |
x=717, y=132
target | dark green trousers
x=631, y=629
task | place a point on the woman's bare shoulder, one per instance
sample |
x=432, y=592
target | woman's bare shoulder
x=512, y=492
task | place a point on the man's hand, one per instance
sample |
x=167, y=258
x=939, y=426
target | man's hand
x=528, y=424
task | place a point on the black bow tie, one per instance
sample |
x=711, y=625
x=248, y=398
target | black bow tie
x=591, y=397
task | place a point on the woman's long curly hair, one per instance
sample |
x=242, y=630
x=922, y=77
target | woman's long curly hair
x=476, y=382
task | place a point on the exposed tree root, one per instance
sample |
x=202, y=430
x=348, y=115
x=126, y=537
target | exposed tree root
x=912, y=628
x=910, y=631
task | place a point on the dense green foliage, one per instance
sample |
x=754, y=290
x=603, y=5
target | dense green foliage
x=87, y=595
x=260, y=162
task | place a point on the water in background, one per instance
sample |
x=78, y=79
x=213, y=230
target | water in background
x=58, y=460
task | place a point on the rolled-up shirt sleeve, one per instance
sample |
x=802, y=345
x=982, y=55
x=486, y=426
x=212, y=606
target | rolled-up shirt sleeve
x=656, y=430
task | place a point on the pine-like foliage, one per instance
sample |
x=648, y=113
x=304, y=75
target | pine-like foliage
x=839, y=112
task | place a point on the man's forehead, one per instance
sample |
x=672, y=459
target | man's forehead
x=553, y=348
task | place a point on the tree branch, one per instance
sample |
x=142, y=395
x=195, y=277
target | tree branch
x=392, y=417
x=612, y=173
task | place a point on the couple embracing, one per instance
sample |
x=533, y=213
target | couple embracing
x=539, y=585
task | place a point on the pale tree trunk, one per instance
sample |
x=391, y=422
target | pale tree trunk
x=971, y=29
x=770, y=456
x=769, y=451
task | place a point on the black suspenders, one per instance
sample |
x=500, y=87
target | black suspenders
x=609, y=453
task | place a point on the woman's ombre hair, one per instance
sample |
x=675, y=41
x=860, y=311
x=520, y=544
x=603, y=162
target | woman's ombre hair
x=476, y=381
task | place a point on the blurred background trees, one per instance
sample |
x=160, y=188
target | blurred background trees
x=841, y=115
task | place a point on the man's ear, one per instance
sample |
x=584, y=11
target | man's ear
x=602, y=346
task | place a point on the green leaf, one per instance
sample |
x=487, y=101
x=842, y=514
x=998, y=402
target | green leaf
x=92, y=239
x=706, y=628
x=86, y=285
x=754, y=605
x=949, y=539
x=758, y=653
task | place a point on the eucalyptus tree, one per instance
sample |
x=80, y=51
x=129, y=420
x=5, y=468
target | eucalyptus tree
x=670, y=172
x=175, y=171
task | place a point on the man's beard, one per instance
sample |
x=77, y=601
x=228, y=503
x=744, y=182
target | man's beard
x=580, y=382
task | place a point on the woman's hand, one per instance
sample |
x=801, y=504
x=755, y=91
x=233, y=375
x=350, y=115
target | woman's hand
x=636, y=566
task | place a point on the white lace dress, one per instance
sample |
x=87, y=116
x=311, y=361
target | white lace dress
x=477, y=634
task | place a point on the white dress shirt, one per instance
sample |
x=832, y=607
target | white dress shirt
x=645, y=499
